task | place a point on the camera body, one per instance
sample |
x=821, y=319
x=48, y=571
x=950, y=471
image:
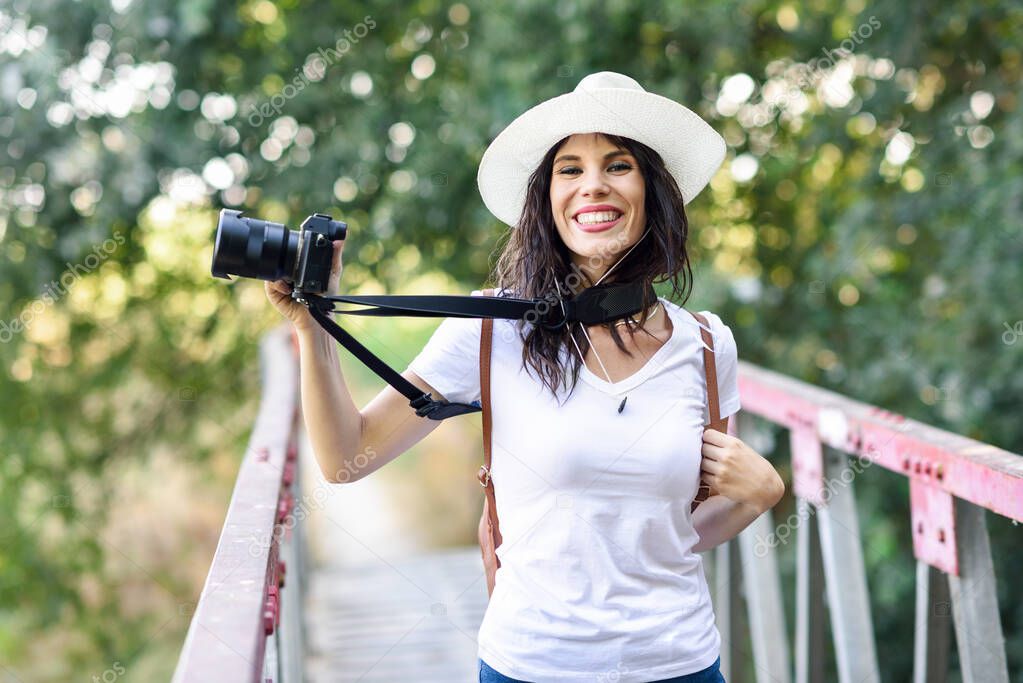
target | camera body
x=316, y=252
x=251, y=247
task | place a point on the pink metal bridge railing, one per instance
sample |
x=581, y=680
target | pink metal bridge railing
x=952, y=481
x=247, y=624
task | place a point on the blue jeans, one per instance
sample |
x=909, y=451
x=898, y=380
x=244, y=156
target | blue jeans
x=712, y=674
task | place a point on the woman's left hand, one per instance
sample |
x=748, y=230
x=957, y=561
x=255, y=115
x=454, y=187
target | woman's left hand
x=736, y=471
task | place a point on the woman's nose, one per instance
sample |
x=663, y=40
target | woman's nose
x=594, y=184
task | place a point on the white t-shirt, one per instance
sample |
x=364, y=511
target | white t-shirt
x=598, y=581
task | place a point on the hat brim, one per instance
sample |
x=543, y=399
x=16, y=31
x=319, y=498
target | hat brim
x=692, y=150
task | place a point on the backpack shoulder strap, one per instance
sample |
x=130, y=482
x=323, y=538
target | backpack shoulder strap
x=486, y=343
x=710, y=371
x=713, y=407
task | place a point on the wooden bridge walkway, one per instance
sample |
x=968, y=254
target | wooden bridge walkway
x=414, y=621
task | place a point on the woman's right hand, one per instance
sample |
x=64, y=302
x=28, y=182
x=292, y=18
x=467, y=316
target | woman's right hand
x=279, y=293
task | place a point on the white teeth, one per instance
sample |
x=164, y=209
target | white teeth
x=591, y=217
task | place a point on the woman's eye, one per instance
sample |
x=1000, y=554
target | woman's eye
x=618, y=165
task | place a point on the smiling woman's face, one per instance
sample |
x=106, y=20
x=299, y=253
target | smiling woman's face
x=597, y=198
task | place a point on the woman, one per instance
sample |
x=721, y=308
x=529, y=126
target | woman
x=599, y=576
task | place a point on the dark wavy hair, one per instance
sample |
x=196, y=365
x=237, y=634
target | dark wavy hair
x=534, y=262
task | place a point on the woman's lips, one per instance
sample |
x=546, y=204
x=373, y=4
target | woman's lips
x=596, y=227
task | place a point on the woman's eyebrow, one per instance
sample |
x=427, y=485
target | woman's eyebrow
x=573, y=157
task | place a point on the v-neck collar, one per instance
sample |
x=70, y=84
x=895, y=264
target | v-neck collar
x=653, y=363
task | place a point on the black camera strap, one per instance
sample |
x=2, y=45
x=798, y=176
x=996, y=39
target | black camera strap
x=593, y=306
x=423, y=403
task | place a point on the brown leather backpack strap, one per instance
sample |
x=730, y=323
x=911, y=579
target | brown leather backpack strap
x=713, y=407
x=710, y=369
x=486, y=339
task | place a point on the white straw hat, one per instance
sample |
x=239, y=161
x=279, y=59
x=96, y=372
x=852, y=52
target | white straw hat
x=603, y=102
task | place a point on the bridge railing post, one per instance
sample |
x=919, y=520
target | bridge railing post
x=810, y=608
x=932, y=631
x=978, y=626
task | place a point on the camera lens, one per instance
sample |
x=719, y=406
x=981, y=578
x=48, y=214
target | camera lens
x=251, y=247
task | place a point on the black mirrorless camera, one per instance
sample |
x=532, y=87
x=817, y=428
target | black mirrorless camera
x=250, y=247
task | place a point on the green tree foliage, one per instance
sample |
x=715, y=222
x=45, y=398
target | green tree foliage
x=864, y=233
